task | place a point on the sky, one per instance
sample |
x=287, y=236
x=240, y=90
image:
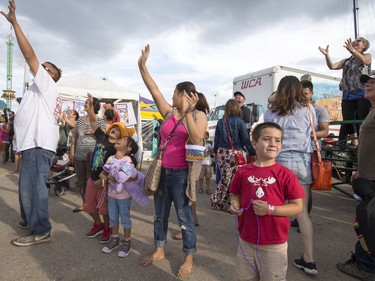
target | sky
x=208, y=42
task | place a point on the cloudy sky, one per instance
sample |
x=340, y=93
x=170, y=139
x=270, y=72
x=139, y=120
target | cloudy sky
x=207, y=42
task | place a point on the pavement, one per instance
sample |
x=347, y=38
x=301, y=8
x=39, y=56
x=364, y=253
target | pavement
x=71, y=256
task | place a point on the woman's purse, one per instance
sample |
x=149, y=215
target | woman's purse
x=153, y=173
x=239, y=156
x=321, y=169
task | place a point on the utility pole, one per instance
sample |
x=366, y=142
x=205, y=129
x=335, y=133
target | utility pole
x=8, y=94
x=355, y=12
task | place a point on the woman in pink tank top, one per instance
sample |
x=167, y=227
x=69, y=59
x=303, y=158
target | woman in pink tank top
x=188, y=114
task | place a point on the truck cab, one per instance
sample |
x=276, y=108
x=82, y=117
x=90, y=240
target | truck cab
x=257, y=111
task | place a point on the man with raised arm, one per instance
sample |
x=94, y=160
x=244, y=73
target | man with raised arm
x=36, y=128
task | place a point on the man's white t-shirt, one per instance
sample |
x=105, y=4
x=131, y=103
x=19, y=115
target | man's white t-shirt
x=35, y=123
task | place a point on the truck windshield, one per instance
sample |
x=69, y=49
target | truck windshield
x=217, y=114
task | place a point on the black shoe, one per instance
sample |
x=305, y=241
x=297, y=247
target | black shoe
x=308, y=267
x=294, y=223
x=23, y=225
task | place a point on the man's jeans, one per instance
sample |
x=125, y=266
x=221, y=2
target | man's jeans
x=33, y=192
x=173, y=183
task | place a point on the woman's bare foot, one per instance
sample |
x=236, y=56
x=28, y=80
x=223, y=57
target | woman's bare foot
x=187, y=267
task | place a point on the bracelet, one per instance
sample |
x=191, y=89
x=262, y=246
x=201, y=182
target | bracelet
x=271, y=209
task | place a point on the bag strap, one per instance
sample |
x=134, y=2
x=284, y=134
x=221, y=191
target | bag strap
x=228, y=132
x=170, y=135
x=314, y=134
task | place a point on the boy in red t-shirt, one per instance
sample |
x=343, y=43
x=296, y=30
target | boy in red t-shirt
x=263, y=195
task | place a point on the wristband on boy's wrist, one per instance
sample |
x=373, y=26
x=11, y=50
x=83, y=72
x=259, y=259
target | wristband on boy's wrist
x=270, y=210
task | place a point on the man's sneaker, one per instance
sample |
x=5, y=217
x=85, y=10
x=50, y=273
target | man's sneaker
x=113, y=243
x=350, y=268
x=308, y=267
x=23, y=225
x=32, y=239
x=106, y=235
x=124, y=248
x=96, y=230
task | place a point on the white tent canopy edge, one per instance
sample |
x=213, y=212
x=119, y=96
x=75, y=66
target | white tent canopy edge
x=76, y=88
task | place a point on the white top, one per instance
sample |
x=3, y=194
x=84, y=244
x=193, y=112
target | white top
x=296, y=126
x=35, y=123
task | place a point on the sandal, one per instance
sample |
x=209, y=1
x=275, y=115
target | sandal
x=185, y=271
x=148, y=260
x=177, y=236
x=200, y=191
x=208, y=192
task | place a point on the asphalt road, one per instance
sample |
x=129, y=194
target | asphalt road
x=72, y=256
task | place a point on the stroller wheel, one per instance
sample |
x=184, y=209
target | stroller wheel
x=59, y=190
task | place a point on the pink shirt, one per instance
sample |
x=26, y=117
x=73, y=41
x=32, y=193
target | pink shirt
x=174, y=155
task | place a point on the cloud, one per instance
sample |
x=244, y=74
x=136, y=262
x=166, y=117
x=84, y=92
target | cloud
x=208, y=42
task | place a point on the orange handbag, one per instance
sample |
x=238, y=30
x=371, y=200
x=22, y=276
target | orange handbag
x=321, y=169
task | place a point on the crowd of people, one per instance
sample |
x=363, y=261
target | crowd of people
x=274, y=185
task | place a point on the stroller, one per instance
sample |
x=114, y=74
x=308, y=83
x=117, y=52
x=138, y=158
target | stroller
x=62, y=170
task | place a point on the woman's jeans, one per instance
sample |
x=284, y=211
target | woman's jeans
x=172, y=186
x=33, y=192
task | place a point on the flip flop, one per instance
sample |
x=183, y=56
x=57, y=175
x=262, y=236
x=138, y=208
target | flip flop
x=146, y=261
x=185, y=271
x=77, y=210
x=177, y=236
x=208, y=192
x=200, y=191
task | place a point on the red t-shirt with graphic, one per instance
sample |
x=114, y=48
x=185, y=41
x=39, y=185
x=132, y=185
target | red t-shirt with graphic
x=274, y=184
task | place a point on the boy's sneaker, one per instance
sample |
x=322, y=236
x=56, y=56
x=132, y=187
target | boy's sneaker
x=125, y=248
x=32, y=239
x=106, y=235
x=350, y=268
x=113, y=243
x=96, y=230
x=308, y=267
x=23, y=225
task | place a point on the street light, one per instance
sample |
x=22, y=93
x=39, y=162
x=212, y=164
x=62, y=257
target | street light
x=215, y=100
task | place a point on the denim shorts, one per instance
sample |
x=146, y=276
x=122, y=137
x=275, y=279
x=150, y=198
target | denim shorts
x=299, y=163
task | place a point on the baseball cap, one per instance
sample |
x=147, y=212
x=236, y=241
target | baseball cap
x=238, y=93
x=364, y=77
x=124, y=132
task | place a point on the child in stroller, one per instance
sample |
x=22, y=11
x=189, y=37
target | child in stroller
x=61, y=170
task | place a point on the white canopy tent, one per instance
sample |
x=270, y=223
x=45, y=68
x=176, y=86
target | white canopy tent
x=76, y=88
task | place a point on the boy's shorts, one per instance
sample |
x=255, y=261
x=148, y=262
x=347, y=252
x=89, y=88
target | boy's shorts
x=206, y=171
x=273, y=261
x=92, y=198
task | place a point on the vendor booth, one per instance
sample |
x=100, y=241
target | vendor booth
x=73, y=93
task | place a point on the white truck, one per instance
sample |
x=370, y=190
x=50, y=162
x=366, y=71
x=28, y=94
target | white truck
x=258, y=86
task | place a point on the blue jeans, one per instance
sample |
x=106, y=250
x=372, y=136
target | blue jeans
x=33, y=192
x=119, y=208
x=172, y=186
x=362, y=260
